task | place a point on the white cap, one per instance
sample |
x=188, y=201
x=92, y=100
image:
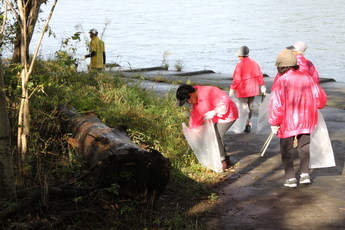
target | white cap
x=298, y=46
x=93, y=31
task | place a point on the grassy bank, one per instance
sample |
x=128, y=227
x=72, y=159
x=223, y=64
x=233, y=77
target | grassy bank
x=151, y=121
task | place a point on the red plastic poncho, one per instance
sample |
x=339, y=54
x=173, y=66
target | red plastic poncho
x=246, y=78
x=294, y=104
x=307, y=67
x=212, y=98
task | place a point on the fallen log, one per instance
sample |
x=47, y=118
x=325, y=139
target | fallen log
x=141, y=174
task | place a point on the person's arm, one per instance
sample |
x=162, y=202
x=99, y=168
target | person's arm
x=93, y=53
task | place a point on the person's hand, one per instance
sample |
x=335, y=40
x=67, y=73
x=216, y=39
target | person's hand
x=209, y=115
x=263, y=89
x=83, y=58
x=275, y=129
x=231, y=92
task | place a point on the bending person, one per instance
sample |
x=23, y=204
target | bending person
x=209, y=102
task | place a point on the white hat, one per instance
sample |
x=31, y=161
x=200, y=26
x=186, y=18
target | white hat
x=298, y=46
x=93, y=31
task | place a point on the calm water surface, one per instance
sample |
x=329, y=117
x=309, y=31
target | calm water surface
x=205, y=34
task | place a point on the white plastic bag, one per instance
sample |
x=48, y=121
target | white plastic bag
x=321, y=151
x=243, y=113
x=264, y=113
x=204, y=143
x=82, y=66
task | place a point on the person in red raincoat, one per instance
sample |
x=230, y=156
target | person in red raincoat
x=304, y=64
x=247, y=77
x=294, y=104
x=209, y=102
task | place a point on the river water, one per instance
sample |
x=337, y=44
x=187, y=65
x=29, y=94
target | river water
x=204, y=34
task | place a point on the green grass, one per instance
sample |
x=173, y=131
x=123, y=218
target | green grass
x=151, y=121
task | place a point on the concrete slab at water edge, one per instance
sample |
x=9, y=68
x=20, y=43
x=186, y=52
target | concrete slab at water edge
x=335, y=90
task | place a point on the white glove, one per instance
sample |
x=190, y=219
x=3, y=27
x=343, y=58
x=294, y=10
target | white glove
x=263, y=89
x=275, y=129
x=209, y=115
x=83, y=58
x=231, y=92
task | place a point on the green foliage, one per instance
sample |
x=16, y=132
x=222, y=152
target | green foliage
x=151, y=121
x=114, y=189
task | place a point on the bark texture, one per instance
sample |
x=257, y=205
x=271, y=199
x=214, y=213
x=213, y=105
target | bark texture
x=141, y=174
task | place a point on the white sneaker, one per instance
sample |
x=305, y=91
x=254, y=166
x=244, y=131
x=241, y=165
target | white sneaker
x=304, y=179
x=292, y=183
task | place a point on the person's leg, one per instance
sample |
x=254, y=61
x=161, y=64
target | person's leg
x=250, y=106
x=286, y=151
x=303, y=151
x=249, y=101
x=221, y=129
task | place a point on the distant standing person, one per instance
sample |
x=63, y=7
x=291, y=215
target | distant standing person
x=97, y=51
x=210, y=102
x=294, y=105
x=305, y=65
x=247, y=78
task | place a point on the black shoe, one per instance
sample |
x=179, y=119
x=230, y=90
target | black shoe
x=226, y=163
x=247, y=129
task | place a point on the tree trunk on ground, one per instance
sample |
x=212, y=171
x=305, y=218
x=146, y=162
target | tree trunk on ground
x=142, y=175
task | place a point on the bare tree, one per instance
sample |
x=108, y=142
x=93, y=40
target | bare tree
x=7, y=185
x=26, y=15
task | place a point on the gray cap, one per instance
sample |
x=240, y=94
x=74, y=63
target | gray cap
x=93, y=31
x=286, y=58
x=243, y=51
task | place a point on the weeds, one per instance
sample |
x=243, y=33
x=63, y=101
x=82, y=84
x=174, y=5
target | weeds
x=151, y=121
x=165, y=62
x=179, y=65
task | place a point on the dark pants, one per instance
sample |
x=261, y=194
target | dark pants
x=287, y=150
x=249, y=101
x=221, y=129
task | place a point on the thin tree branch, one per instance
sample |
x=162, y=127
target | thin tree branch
x=14, y=11
x=41, y=37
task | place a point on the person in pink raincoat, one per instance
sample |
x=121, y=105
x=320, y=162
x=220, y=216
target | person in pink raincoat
x=305, y=65
x=209, y=102
x=247, y=78
x=294, y=104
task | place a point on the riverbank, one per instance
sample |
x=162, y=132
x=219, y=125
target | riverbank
x=252, y=196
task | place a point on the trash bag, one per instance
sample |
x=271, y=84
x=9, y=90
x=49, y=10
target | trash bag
x=321, y=151
x=204, y=143
x=243, y=113
x=82, y=66
x=264, y=113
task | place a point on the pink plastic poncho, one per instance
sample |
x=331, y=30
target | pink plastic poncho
x=307, y=67
x=212, y=98
x=294, y=103
x=247, y=77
